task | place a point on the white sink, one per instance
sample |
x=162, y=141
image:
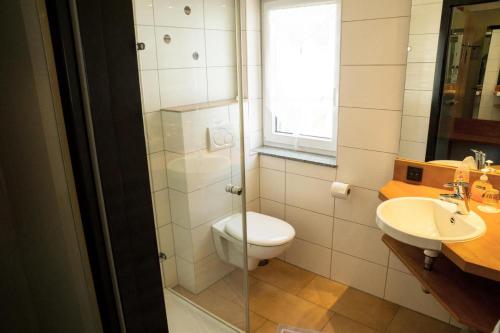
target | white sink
x=426, y=222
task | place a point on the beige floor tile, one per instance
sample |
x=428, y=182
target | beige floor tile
x=409, y=321
x=256, y=321
x=323, y=292
x=283, y=275
x=341, y=324
x=212, y=300
x=284, y=308
x=366, y=309
x=267, y=327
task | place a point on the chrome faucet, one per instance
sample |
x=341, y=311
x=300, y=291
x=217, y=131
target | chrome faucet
x=459, y=197
x=480, y=158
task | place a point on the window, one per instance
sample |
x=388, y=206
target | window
x=301, y=43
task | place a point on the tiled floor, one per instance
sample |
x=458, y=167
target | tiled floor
x=281, y=293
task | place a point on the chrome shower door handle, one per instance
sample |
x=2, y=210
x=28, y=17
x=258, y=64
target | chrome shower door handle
x=234, y=189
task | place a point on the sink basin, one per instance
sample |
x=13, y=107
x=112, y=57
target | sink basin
x=426, y=222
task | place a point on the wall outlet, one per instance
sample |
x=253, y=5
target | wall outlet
x=414, y=174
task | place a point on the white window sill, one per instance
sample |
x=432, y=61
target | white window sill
x=324, y=160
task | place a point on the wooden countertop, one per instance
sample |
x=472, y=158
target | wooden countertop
x=480, y=256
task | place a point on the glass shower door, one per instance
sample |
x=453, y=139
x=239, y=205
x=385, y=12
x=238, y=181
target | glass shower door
x=191, y=84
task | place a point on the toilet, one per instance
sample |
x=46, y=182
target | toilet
x=267, y=237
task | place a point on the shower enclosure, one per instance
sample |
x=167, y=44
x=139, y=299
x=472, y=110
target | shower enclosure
x=102, y=226
x=194, y=108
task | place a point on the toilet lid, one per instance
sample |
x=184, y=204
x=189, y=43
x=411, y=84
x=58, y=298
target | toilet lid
x=262, y=230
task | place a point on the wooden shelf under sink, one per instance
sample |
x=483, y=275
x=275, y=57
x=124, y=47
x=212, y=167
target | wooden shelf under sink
x=472, y=300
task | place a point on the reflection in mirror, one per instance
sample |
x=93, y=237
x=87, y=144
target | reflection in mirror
x=472, y=64
x=453, y=107
x=469, y=113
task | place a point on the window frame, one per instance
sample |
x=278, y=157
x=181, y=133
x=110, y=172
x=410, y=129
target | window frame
x=292, y=141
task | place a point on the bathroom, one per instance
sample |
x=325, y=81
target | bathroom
x=186, y=129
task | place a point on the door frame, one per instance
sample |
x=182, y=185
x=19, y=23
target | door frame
x=96, y=61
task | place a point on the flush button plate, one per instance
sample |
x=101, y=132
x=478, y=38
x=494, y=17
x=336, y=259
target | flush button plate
x=220, y=137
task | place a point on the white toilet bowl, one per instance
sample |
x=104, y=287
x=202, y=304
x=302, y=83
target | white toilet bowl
x=267, y=237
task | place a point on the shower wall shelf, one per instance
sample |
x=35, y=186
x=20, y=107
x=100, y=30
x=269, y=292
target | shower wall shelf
x=200, y=106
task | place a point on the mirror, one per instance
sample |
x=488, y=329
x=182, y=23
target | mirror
x=452, y=91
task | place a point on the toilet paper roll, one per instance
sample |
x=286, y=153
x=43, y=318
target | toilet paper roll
x=340, y=190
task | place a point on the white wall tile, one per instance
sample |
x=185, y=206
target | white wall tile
x=360, y=241
x=171, y=13
x=186, y=132
x=185, y=273
x=414, y=129
x=272, y=208
x=183, y=86
x=209, y=203
x=158, y=171
x=375, y=42
x=147, y=57
x=359, y=207
x=309, y=226
x=254, y=206
x=396, y=264
x=234, y=118
x=369, y=129
x=311, y=170
x=193, y=171
x=405, y=290
x=309, y=256
x=420, y=76
x=169, y=271
x=219, y=14
x=256, y=139
x=364, y=168
x=252, y=16
x=274, y=163
x=209, y=270
x=221, y=83
x=412, y=150
x=203, y=244
x=309, y=193
x=425, y=19
x=423, y=48
x=162, y=207
x=166, y=240
x=272, y=184
x=183, y=243
x=193, y=209
x=254, y=82
x=362, y=9
x=252, y=187
x=255, y=114
x=377, y=87
x=150, y=91
x=253, y=46
x=252, y=184
x=143, y=12
x=179, y=52
x=358, y=273
x=221, y=48
x=196, y=123
x=417, y=103
x=154, y=131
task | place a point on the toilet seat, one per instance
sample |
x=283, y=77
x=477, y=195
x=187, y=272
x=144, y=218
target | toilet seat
x=262, y=230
